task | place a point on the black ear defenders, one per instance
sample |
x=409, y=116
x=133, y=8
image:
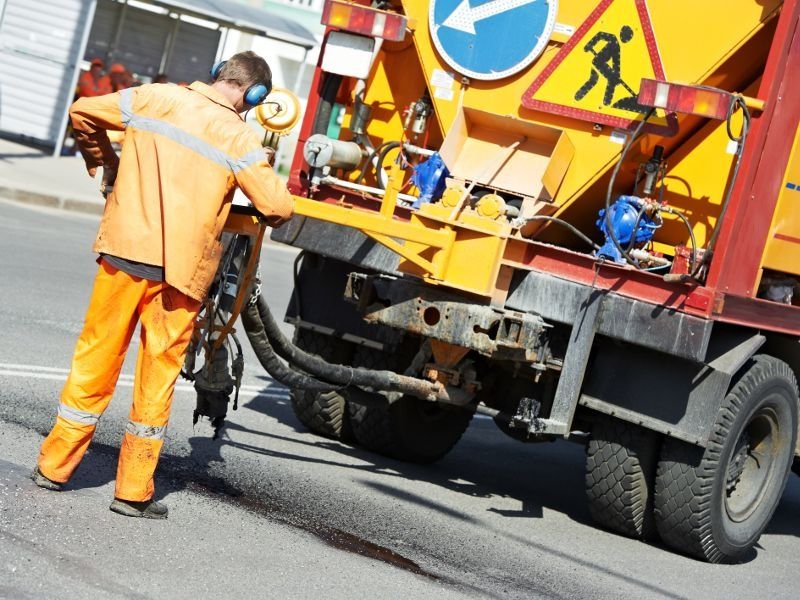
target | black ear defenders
x=254, y=95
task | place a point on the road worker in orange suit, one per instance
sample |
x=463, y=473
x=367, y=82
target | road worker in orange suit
x=93, y=82
x=186, y=150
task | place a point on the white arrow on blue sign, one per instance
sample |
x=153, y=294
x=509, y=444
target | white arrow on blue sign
x=494, y=38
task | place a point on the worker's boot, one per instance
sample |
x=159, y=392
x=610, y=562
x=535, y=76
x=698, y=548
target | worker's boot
x=149, y=509
x=44, y=482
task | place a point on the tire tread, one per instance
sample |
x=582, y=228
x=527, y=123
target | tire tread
x=620, y=473
x=685, y=474
x=323, y=413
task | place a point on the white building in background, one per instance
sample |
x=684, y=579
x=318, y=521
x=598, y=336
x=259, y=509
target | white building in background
x=44, y=44
x=292, y=66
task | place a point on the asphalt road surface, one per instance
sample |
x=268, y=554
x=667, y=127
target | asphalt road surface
x=272, y=511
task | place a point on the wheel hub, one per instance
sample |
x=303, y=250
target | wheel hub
x=751, y=464
x=737, y=464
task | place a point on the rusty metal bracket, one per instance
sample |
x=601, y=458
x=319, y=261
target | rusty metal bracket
x=436, y=314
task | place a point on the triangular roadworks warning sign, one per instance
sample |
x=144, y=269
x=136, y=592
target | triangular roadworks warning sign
x=596, y=75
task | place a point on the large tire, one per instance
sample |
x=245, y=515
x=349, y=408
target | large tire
x=620, y=475
x=323, y=413
x=409, y=429
x=714, y=504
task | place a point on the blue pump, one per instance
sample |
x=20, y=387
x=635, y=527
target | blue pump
x=429, y=177
x=623, y=215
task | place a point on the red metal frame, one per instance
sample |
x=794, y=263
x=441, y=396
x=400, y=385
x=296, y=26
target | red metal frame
x=743, y=237
x=298, y=175
x=729, y=294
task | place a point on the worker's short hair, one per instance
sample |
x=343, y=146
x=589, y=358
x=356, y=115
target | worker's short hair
x=246, y=69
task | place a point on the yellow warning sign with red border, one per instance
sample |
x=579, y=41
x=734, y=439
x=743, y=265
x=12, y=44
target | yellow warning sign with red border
x=596, y=75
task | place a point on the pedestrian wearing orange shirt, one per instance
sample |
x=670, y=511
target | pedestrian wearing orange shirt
x=186, y=151
x=93, y=82
x=120, y=77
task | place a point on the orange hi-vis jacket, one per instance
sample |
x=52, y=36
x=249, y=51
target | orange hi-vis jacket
x=89, y=86
x=185, y=152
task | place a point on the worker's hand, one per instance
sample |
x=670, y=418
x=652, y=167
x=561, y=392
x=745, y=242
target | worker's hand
x=109, y=177
x=91, y=162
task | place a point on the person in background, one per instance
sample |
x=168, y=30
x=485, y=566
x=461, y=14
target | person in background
x=161, y=78
x=121, y=79
x=94, y=82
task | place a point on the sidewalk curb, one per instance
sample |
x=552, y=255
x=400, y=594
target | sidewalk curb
x=51, y=200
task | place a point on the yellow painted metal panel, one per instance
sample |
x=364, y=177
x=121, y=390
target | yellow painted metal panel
x=474, y=262
x=509, y=154
x=721, y=42
x=694, y=38
x=471, y=263
x=782, y=252
x=369, y=221
x=244, y=224
x=697, y=178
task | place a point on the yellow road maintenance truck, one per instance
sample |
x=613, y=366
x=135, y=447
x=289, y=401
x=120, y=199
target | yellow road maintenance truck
x=579, y=217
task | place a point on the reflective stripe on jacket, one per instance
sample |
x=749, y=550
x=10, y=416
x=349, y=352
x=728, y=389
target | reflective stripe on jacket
x=185, y=152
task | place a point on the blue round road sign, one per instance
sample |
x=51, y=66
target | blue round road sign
x=491, y=39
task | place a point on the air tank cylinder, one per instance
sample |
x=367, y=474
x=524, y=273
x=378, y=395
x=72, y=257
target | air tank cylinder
x=322, y=151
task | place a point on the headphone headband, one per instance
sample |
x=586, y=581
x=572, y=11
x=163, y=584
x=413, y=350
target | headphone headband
x=254, y=95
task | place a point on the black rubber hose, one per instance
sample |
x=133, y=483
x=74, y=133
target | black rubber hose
x=638, y=222
x=298, y=301
x=379, y=381
x=368, y=160
x=577, y=232
x=330, y=89
x=270, y=361
x=741, y=140
x=381, y=158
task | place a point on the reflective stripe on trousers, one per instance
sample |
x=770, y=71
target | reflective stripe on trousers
x=167, y=318
x=79, y=416
x=146, y=431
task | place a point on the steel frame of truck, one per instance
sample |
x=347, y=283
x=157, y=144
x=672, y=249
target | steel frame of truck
x=694, y=340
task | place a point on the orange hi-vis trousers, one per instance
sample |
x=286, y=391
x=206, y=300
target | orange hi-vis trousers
x=167, y=320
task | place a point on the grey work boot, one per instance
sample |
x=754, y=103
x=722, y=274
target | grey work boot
x=149, y=509
x=44, y=482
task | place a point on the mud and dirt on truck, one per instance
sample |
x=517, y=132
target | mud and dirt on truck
x=579, y=218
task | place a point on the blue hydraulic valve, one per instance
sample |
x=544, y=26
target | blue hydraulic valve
x=429, y=177
x=624, y=214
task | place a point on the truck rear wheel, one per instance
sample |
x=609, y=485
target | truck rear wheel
x=323, y=413
x=715, y=503
x=620, y=474
x=409, y=429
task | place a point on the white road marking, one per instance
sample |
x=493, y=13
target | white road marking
x=125, y=380
x=32, y=368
